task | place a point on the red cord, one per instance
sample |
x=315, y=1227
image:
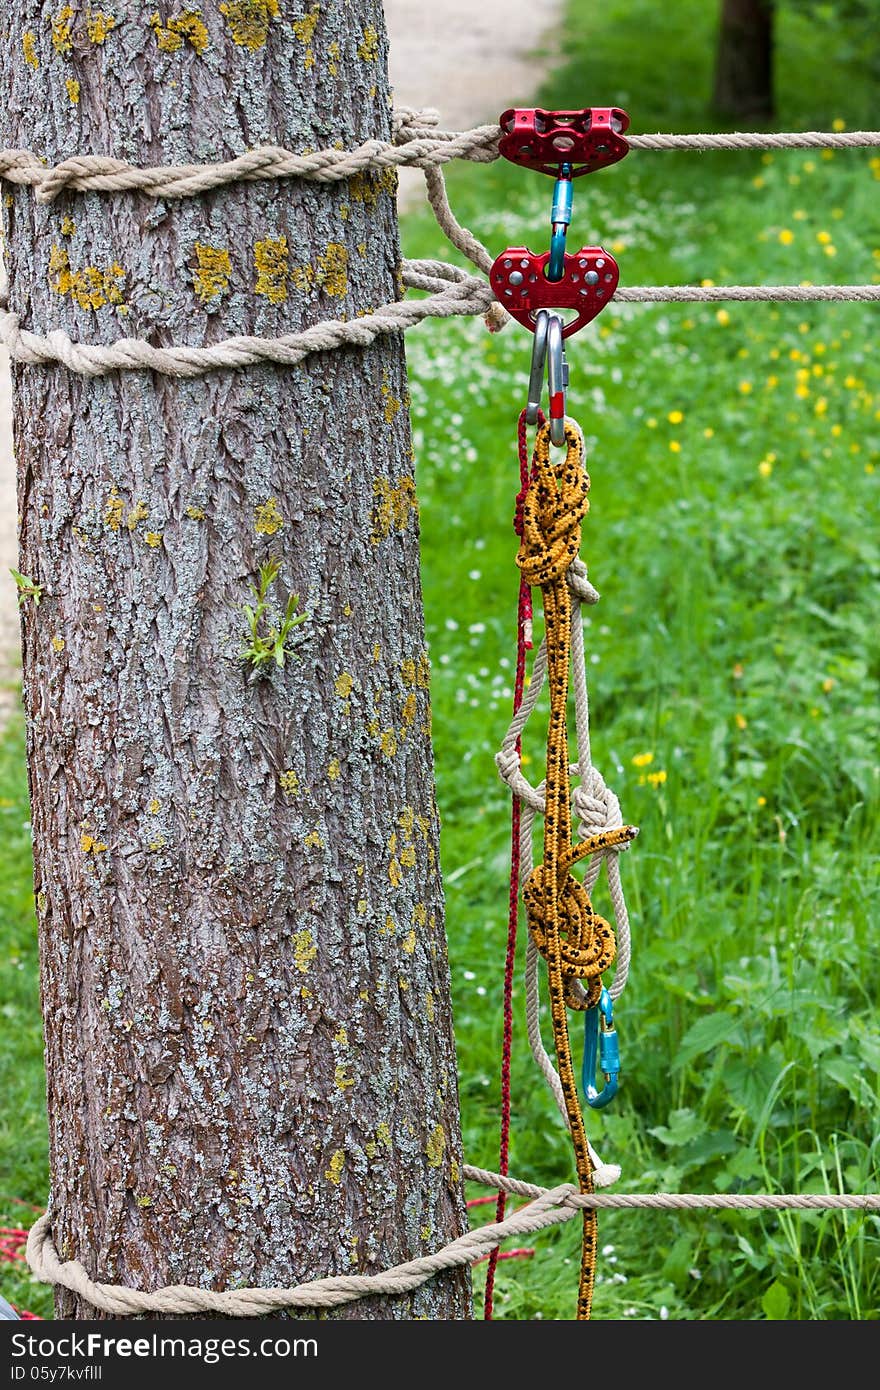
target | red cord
x=524, y=615
x=12, y=1243
x=520, y=1254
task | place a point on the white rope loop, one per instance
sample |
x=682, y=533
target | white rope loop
x=454, y=293
x=416, y=143
x=547, y=1207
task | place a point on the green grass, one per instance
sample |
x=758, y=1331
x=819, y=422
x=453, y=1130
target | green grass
x=733, y=537
x=23, y=1138
x=734, y=643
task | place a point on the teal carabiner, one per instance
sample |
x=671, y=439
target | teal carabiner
x=600, y=1044
x=560, y=217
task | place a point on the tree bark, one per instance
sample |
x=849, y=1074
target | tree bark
x=744, y=60
x=251, y=1065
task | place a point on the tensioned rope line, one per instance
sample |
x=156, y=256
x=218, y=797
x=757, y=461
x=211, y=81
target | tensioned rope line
x=548, y=1207
x=465, y=295
x=416, y=144
x=451, y=292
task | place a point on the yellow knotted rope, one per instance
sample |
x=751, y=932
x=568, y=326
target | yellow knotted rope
x=576, y=943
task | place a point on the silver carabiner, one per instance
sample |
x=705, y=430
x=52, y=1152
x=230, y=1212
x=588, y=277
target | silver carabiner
x=557, y=373
x=548, y=348
x=536, y=373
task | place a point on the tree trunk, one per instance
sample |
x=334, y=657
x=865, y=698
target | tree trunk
x=744, y=60
x=251, y=1066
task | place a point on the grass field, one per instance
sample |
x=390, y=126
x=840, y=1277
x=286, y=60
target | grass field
x=734, y=687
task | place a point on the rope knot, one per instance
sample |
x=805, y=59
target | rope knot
x=507, y=763
x=403, y=118
x=596, y=806
x=579, y=584
x=553, y=509
x=586, y=940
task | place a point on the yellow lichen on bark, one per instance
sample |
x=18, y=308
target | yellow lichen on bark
x=333, y=55
x=73, y=90
x=289, y=782
x=393, y=507
x=341, y=1077
x=139, y=512
x=304, y=29
x=333, y=769
x=409, y=942
x=98, y=25
x=249, y=21
x=91, y=287
x=270, y=262
x=212, y=272
x=89, y=845
x=62, y=24
x=267, y=518
x=429, y=1006
x=113, y=510
x=58, y=643
x=304, y=950
x=29, y=48
x=436, y=1147
x=392, y=404
x=68, y=226
x=303, y=277
x=343, y=685
x=368, y=48
x=337, y=1164
x=186, y=27
x=153, y=539
x=408, y=713
x=367, y=187
x=333, y=270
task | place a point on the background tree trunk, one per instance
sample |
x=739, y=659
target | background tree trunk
x=251, y=1068
x=744, y=61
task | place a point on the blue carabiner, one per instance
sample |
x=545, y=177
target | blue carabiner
x=560, y=217
x=600, y=1042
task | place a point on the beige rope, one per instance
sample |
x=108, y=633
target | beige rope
x=694, y=294
x=548, y=1207
x=416, y=145
x=466, y=295
x=760, y=140
x=98, y=173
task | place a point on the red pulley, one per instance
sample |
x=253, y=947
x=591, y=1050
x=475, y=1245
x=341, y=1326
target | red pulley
x=589, y=279
x=587, y=139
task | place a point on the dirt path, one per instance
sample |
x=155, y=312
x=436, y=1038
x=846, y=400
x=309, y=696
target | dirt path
x=469, y=61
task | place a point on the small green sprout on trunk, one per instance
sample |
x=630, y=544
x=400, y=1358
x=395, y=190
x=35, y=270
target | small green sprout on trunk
x=27, y=589
x=268, y=639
